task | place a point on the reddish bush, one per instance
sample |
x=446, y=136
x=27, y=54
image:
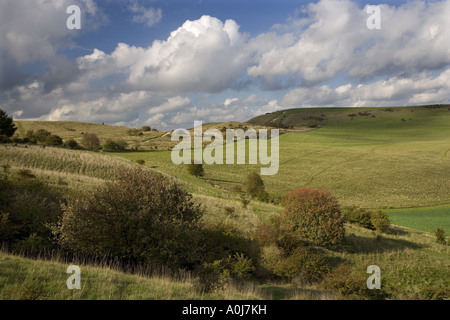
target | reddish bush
x=313, y=215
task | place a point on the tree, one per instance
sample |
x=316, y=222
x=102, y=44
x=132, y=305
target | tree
x=313, y=215
x=196, y=170
x=7, y=127
x=255, y=187
x=41, y=135
x=91, y=142
x=140, y=218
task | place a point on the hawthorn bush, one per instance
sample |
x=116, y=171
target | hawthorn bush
x=139, y=218
x=255, y=187
x=313, y=215
x=380, y=221
x=359, y=216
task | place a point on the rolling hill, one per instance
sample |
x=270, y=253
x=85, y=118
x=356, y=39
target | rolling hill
x=376, y=158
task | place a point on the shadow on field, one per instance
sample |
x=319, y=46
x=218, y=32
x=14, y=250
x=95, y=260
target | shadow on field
x=397, y=231
x=362, y=244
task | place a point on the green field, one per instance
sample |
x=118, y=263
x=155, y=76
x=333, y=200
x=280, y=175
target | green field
x=424, y=219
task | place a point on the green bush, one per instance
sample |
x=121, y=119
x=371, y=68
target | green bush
x=213, y=276
x=313, y=215
x=255, y=187
x=271, y=255
x=71, y=144
x=359, y=216
x=53, y=140
x=115, y=145
x=304, y=265
x=242, y=266
x=196, y=170
x=145, y=129
x=440, y=236
x=350, y=284
x=135, y=132
x=380, y=221
x=42, y=135
x=140, y=218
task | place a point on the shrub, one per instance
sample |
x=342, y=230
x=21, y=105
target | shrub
x=139, y=218
x=134, y=132
x=359, y=216
x=313, y=215
x=196, y=170
x=146, y=129
x=213, y=276
x=380, y=221
x=266, y=234
x=53, y=140
x=42, y=135
x=255, y=187
x=306, y=266
x=440, y=236
x=242, y=266
x=271, y=255
x=71, y=144
x=115, y=145
x=90, y=141
x=351, y=285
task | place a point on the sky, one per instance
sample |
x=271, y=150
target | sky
x=166, y=64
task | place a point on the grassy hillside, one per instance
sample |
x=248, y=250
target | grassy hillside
x=26, y=279
x=318, y=117
x=393, y=158
x=380, y=162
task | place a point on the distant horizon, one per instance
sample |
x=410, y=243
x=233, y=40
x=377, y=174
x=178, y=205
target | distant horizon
x=245, y=121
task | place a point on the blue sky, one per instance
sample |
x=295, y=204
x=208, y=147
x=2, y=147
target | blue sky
x=168, y=63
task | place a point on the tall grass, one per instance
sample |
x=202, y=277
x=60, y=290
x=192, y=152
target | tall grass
x=28, y=279
x=65, y=161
